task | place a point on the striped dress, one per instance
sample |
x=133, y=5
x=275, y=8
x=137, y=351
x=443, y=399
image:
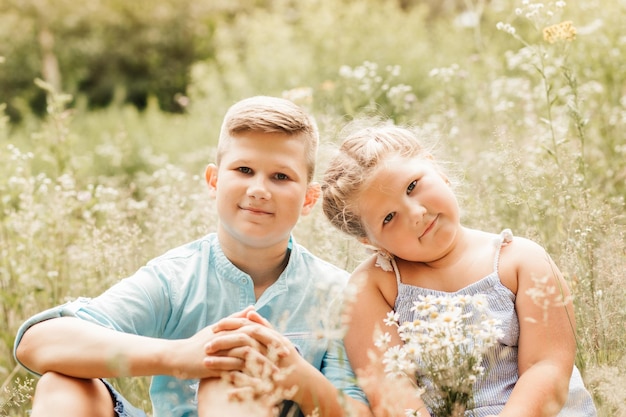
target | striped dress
x=492, y=391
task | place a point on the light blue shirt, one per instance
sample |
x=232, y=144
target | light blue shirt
x=195, y=285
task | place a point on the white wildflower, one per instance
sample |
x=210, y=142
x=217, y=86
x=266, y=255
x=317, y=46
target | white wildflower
x=446, y=343
x=392, y=318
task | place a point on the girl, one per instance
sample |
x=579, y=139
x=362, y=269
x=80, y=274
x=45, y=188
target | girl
x=387, y=191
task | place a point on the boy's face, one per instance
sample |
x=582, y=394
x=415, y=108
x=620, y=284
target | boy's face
x=261, y=188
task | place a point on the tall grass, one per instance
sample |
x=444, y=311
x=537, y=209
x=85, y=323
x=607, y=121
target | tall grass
x=535, y=130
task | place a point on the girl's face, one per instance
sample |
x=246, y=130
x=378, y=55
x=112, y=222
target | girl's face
x=409, y=209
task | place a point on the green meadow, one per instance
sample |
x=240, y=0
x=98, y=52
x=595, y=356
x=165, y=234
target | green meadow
x=109, y=114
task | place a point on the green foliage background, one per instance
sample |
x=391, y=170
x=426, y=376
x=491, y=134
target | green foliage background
x=101, y=163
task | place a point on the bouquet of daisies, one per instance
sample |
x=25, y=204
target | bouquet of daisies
x=443, y=348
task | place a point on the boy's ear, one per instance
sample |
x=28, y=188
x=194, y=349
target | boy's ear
x=210, y=175
x=313, y=193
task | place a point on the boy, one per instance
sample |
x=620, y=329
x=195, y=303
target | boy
x=164, y=321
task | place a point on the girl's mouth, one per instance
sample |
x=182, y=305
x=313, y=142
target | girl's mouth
x=430, y=227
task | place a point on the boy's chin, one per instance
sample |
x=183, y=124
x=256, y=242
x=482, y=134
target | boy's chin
x=257, y=240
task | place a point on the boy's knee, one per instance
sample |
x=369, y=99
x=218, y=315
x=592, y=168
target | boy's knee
x=52, y=383
x=58, y=394
x=215, y=398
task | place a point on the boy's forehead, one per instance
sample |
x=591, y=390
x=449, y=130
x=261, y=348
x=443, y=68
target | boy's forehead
x=262, y=140
x=259, y=145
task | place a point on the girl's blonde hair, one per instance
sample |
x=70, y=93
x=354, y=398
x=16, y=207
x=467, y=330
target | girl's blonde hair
x=265, y=114
x=360, y=153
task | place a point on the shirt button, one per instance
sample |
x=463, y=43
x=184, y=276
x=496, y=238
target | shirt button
x=244, y=280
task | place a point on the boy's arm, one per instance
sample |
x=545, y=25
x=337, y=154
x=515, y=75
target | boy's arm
x=82, y=349
x=547, y=343
x=78, y=348
x=313, y=390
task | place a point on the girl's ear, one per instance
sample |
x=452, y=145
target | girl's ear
x=313, y=193
x=210, y=175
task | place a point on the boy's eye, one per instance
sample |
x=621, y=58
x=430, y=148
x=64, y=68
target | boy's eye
x=411, y=187
x=388, y=218
x=280, y=176
x=244, y=170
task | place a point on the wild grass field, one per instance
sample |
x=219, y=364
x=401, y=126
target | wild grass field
x=525, y=100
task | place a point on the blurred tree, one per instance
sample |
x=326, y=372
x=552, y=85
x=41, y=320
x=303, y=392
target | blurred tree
x=107, y=50
x=31, y=37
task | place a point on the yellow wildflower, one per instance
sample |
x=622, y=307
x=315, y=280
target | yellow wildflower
x=564, y=31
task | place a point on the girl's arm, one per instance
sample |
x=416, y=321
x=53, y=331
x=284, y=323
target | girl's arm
x=376, y=290
x=547, y=342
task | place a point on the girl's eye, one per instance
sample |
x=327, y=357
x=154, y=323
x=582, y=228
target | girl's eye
x=245, y=170
x=280, y=176
x=388, y=218
x=411, y=187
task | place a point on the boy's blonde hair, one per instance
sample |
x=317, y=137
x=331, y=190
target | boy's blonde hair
x=360, y=153
x=264, y=114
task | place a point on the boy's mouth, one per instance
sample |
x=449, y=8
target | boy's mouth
x=255, y=210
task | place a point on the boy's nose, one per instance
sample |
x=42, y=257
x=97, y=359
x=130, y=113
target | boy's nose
x=258, y=189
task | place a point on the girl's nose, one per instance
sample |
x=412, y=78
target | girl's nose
x=417, y=213
x=258, y=189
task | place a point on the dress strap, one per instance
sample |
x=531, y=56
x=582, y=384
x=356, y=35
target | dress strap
x=504, y=238
x=386, y=262
x=396, y=270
